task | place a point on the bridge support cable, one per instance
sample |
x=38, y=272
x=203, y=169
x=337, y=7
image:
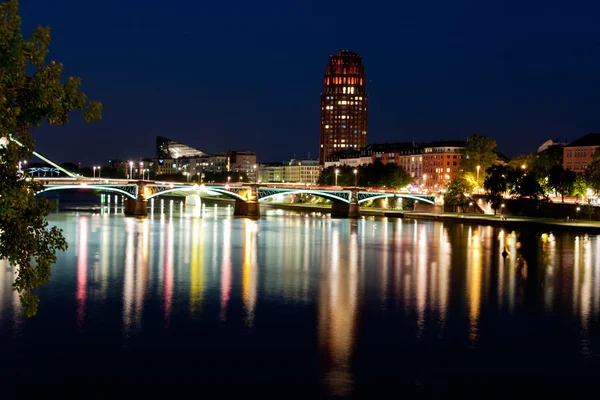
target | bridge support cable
x=41, y=157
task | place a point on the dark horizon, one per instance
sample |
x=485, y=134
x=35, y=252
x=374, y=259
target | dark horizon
x=242, y=76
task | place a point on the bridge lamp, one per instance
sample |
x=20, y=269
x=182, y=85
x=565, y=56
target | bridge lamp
x=228, y=179
x=355, y=176
x=337, y=172
x=130, y=169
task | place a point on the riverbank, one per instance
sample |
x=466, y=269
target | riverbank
x=511, y=222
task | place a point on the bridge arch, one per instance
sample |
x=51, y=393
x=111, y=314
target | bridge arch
x=94, y=187
x=325, y=195
x=402, y=195
x=199, y=190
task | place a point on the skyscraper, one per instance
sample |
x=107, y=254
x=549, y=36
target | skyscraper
x=343, y=105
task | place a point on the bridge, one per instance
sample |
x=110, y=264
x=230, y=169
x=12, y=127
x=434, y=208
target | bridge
x=346, y=201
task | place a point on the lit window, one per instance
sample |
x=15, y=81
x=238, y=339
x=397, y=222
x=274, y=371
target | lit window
x=447, y=169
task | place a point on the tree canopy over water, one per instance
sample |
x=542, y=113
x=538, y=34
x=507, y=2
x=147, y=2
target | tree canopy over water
x=31, y=94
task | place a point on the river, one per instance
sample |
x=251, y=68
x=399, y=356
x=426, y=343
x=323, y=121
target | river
x=303, y=304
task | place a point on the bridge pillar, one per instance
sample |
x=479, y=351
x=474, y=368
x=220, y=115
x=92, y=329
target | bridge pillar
x=192, y=200
x=136, y=207
x=341, y=209
x=249, y=208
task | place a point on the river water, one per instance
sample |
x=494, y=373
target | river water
x=302, y=304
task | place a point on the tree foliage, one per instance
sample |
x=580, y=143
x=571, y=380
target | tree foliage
x=478, y=151
x=372, y=175
x=31, y=93
x=457, y=191
x=580, y=186
x=496, y=185
x=561, y=180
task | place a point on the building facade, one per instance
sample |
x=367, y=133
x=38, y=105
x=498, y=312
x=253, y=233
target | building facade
x=441, y=163
x=344, y=104
x=578, y=154
x=242, y=161
x=292, y=171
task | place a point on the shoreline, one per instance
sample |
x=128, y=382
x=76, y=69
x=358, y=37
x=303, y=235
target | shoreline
x=483, y=219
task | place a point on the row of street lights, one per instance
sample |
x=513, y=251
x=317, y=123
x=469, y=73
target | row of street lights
x=98, y=168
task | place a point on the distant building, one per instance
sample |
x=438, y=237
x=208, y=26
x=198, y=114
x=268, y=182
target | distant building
x=343, y=105
x=168, y=148
x=441, y=163
x=548, y=144
x=242, y=161
x=408, y=155
x=350, y=158
x=292, y=171
x=218, y=162
x=578, y=154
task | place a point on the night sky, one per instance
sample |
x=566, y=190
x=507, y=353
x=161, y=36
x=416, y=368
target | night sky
x=247, y=75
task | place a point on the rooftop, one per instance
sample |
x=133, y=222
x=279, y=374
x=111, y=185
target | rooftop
x=446, y=143
x=591, y=139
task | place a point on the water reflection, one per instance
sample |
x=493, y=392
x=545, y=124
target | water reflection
x=338, y=311
x=422, y=283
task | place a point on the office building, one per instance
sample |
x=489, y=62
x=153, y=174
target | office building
x=343, y=105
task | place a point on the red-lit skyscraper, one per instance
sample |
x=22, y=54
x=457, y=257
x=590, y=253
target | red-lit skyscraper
x=343, y=105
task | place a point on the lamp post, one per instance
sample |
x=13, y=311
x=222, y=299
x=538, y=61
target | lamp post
x=228, y=179
x=94, y=174
x=355, y=177
x=337, y=172
x=130, y=169
x=141, y=169
x=99, y=172
x=578, y=208
x=478, y=167
x=502, y=209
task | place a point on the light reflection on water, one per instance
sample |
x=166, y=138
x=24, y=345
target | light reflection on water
x=424, y=283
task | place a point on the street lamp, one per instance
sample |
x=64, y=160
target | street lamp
x=228, y=179
x=130, y=169
x=502, y=209
x=142, y=166
x=94, y=174
x=99, y=172
x=478, y=178
x=355, y=177
x=337, y=172
x=523, y=167
x=578, y=208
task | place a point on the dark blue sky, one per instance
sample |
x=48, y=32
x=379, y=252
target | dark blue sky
x=241, y=75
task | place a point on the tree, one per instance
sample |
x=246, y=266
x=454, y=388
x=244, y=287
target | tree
x=580, y=186
x=551, y=157
x=373, y=175
x=525, y=183
x=523, y=161
x=478, y=151
x=589, y=210
x=495, y=184
x=31, y=93
x=561, y=180
x=457, y=191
